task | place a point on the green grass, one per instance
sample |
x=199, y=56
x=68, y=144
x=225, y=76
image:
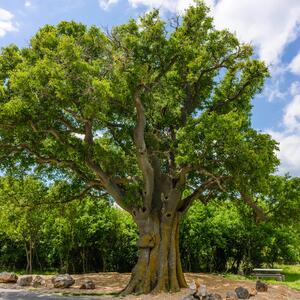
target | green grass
x=291, y=272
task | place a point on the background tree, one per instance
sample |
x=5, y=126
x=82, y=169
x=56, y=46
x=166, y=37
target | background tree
x=216, y=237
x=20, y=217
x=155, y=114
x=41, y=231
x=222, y=237
x=89, y=235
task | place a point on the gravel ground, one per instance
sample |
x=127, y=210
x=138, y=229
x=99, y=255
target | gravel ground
x=114, y=282
x=13, y=294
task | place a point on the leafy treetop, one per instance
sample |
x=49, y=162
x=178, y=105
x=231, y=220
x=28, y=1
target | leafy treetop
x=114, y=110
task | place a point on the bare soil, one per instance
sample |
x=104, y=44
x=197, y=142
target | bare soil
x=107, y=283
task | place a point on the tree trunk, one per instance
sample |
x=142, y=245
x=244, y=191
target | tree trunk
x=30, y=256
x=27, y=258
x=159, y=267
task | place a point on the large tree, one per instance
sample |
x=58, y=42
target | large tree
x=156, y=114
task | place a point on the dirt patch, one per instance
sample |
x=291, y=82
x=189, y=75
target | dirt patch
x=114, y=282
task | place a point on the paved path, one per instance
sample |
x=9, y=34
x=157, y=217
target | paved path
x=11, y=294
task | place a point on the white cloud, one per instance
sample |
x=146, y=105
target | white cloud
x=174, y=6
x=294, y=66
x=106, y=4
x=270, y=24
x=289, y=138
x=291, y=118
x=171, y=5
x=273, y=90
x=27, y=3
x=295, y=88
x=6, y=24
x=289, y=145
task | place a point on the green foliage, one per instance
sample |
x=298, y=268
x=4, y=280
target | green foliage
x=291, y=272
x=223, y=237
x=68, y=104
x=91, y=235
x=19, y=215
x=80, y=236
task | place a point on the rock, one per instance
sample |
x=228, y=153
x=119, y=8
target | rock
x=38, y=281
x=6, y=277
x=201, y=291
x=87, y=285
x=62, y=281
x=261, y=286
x=231, y=296
x=192, y=287
x=25, y=280
x=242, y=293
x=253, y=292
x=188, y=297
x=214, y=297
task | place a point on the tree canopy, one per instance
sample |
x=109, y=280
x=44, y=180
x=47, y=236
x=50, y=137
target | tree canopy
x=70, y=100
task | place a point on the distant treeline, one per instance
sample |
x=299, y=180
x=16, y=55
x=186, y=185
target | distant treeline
x=89, y=235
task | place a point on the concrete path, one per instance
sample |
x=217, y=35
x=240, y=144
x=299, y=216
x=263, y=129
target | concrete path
x=11, y=294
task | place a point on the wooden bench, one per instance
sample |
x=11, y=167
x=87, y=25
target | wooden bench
x=275, y=273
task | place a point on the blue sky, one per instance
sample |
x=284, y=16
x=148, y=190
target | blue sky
x=271, y=26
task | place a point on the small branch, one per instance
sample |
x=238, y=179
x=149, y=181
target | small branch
x=75, y=115
x=54, y=161
x=56, y=135
x=216, y=179
x=33, y=127
x=7, y=126
x=70, y=126
x=232, y=98
x=78, y=196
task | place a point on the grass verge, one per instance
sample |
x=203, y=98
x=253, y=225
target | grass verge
x=291, y=272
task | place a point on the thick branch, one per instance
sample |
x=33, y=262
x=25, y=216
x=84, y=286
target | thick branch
x=111, y=187
x=187, y=202
x=141, y=151
x=213, y=181
x=258, y=211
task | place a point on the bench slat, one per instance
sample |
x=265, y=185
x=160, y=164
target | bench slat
x=276, y=275
x=267, y=270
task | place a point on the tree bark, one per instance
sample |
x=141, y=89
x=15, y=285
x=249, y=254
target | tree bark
x=159, y=267
x=27, y=258
x=30, y=259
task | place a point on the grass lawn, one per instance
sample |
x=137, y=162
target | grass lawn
x=292, y=276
